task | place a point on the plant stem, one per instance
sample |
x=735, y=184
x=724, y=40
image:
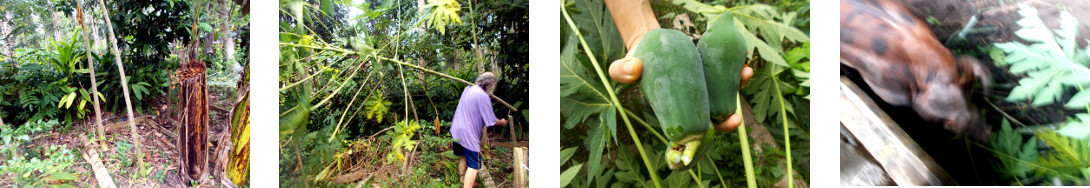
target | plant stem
x=613, y=98
x=747, y=160
x=285, y=88
x=786, y=135
x=353, y=101
x=721, y=182
x=649, y=128
x=698, y=183
x=425, y=70
x=338, y=90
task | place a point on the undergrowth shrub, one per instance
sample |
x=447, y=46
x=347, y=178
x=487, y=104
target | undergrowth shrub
x=34, y=166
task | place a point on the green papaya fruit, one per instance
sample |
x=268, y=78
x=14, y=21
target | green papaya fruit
x=673, y=83
x=723, y=52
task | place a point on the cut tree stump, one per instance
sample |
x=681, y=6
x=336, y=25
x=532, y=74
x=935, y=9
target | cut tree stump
x=101, y=173
x=521, y=169
x=191, y=82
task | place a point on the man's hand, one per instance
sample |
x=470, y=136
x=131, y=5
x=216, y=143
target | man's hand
x=500, y=123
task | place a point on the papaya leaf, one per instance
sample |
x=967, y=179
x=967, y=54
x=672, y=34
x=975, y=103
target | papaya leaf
x=596, y=25
x=1067, y=158
x=768, y=89
x=1079, y=129
x=377, y=106
x=595, y=142
x=441, y=13
x=582, y=93
x=1051, y=62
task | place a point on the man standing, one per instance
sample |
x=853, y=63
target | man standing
x=474, y=112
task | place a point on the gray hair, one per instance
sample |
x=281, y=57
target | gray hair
x=486, y=80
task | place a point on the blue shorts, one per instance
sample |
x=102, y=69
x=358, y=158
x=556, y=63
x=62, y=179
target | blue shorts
x=473, y=159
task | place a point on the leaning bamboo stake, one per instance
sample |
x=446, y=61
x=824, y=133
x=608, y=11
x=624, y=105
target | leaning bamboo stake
x=100, y=131
x=124, y=85
x=410, y=65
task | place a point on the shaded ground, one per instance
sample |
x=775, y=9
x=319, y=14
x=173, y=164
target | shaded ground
x=159, y=138
x=365, y=165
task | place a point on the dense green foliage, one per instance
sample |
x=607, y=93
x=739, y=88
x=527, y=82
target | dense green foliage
x=45, y=77
x=38, y=165
x=778, y=50
x=359, y=72
x=1053, y=64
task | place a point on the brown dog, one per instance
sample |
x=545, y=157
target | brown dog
x=902, y=61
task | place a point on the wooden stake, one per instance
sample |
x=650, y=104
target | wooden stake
x=101, y=173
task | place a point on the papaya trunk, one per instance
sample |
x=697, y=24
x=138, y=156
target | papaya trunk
x=238, y=169
x=193, y=102
x=124, y=86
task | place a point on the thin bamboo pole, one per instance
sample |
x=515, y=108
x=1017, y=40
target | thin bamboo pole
x=100, y=131
x=124, y=86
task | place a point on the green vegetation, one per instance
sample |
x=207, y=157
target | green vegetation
x=594, y=155
x=1057, y=154
x=67, y=67
x=370, y=87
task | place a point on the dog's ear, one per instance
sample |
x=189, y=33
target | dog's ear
x=978, y=71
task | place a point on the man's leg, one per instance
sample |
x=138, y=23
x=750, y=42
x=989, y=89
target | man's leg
x=473, y=161
x=470, y=178
x=462, y=165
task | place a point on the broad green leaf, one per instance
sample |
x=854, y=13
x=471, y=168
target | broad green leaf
x=582, y=93
x=68, y=100
x=768, y=90
x=567, y=153
x=595, y=23
x=1051, y=61
x=568, y=175
x=63, y=176
x=442, y=13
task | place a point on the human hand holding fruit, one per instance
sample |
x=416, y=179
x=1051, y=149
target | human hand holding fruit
x=691, y=88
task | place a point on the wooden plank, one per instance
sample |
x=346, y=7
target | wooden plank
x=900, y=156
x=100, y=171
x=521, y=165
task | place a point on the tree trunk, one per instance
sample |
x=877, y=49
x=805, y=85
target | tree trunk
x=191, y=81
x=56, y=30
x=101, y=132
x=5, y=30
x=124, y=86
x=238, y=169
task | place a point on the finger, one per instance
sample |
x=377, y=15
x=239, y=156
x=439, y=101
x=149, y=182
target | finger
x=746, y=74
x=626, y=70
x=730, y=124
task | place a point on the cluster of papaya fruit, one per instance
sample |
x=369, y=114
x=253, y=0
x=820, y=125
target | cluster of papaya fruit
x=691, y=87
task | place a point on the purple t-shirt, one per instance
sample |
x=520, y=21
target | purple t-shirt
x=474, y=112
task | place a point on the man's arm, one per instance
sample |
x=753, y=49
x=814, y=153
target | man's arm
x=501, y=122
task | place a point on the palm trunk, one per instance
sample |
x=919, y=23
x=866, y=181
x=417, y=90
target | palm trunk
x=124, y=86
x=100, y=131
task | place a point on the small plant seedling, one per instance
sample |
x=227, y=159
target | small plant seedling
x=933, y=21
